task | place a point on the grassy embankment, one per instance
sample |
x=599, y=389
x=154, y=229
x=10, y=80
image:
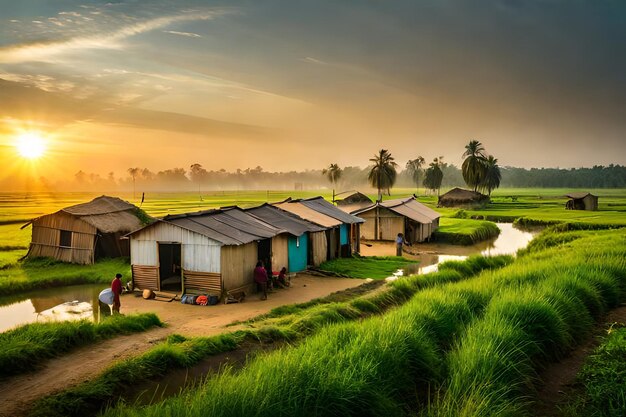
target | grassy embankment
x=477, y=344
x=374, y=267
x=459, y=231
x=601, y=390
x=23, y=349
x=287, y=323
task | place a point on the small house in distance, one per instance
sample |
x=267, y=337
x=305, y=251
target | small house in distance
x=581, y=201
x=212, y=251
x=458, y=197
x=384, y=220
x=86, y=232
x=354, y=201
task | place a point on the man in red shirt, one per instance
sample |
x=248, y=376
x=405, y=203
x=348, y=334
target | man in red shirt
x=260, y=277
x=116, y=288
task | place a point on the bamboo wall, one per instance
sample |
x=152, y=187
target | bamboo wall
x=46, y=238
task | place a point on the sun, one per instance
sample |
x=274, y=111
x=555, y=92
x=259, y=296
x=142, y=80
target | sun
x=30, y=145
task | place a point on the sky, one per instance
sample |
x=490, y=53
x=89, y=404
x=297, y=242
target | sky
x=294, y=85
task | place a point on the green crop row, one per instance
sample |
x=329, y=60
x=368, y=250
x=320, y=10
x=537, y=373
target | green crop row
x=465, y=348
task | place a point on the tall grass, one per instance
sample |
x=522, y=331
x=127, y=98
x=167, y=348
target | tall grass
x=285, y=324
x=457, y=231
x=375, y=267
x=24, y=348
x=477, y=343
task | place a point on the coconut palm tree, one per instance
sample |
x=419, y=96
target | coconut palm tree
x=333, y=173
x=473, y=167
x=492, y=178
x=433, y=176
x=133, y=173
x=382, y=175
x=414, y=168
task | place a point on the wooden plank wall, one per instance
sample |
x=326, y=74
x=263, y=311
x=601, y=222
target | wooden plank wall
x=145, y=277
x=206, y=282
x=238, y=263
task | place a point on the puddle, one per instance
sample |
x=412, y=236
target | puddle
x=430, y=255
x=55, y=304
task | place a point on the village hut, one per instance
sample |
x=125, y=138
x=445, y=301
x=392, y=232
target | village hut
x=299, y=250
x=581, y=201
x=349, y=230
x=86, y=232
x=458, y=197
x=324, y=245
x=354, y=201
x=384, y=220
x=213, y=251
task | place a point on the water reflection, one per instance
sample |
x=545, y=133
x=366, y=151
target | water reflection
x=54, y=304
x=430, y=255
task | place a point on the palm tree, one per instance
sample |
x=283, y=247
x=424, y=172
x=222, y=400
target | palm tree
x=382, y=175
x=333, y=173
x=492, y=178
x=434, y=175
x=414, y=168
x=473, y=167
x=133, y=173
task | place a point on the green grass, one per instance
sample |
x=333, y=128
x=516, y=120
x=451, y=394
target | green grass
x=23, y=349
x=457, y=231
x=601, y=391
x=45, y=273
x=475, y=344
x=287, y=323
x=375, y=267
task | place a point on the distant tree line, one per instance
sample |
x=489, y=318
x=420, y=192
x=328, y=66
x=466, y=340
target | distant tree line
x=197, y=178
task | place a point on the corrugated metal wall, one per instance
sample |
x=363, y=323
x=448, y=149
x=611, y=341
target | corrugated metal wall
x=199, y=253
x=280, y=252
x=46, y=238
x=238, y=263
x=298, y=252
x=319, y=247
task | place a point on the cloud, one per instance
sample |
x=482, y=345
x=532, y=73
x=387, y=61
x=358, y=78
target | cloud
x=46, y=51
x=314, y=60
x=188, y=34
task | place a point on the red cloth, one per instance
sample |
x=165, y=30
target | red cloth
x=260, y=274
x=116, y=287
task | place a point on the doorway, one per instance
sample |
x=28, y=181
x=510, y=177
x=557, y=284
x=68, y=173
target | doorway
x=170, y=268
x=264, y=253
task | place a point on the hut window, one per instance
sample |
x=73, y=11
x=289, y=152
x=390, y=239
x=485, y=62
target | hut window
x=66, y=238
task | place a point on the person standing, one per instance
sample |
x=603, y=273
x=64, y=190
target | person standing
x=399, y=243
x=116, y=288
x=260, y=277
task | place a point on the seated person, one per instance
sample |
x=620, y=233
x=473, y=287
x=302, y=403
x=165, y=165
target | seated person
x=282, y=279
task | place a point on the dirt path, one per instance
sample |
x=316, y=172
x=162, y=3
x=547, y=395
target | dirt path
x=558, y=378
x=18, y=393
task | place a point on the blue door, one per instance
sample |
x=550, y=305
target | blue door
x=298, y=249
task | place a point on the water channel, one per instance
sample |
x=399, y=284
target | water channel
x=81, y=301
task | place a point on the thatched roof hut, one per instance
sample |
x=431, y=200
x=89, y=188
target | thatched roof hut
x=86, y=232
x=458, y=197
x=581, y=201
x=354, y=201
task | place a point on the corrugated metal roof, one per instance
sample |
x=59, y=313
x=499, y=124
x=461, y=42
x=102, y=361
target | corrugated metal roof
x=324, y=207
x=408, y=207
x=231, y=226
x=283, y=219
x=308, y=214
